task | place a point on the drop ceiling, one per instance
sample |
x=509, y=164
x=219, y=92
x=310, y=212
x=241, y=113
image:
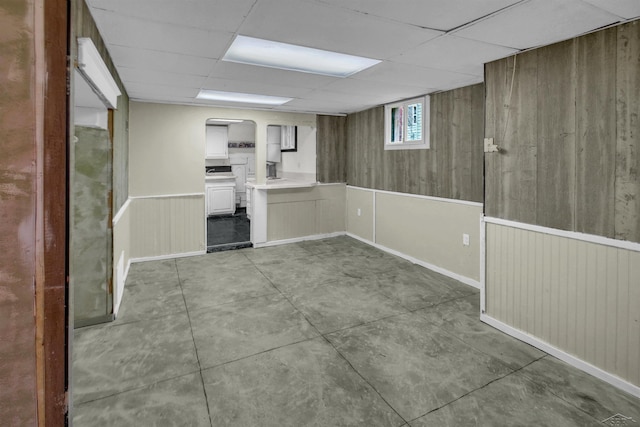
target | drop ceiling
x=167, y=50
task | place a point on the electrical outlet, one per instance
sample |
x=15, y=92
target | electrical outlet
x=465, y=239
x=359, y=212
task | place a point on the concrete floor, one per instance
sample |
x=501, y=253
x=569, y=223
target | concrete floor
x=323, y=333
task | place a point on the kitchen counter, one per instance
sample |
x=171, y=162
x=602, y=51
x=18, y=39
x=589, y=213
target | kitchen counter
x=280, y=183
x=219, y=176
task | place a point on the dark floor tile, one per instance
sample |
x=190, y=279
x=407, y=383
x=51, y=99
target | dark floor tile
x=305, y=384
x=228, y=229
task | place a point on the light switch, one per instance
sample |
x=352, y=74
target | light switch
x=465, y=239
x=359, y=212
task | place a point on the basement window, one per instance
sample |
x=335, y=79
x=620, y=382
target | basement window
x=406, y=124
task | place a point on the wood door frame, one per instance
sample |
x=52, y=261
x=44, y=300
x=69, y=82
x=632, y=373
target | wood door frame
x=52, y=143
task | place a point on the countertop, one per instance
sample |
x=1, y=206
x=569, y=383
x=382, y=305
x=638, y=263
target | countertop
x=220, y=176
x=280, y=183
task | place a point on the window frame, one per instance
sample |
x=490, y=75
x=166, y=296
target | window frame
x=421, y=144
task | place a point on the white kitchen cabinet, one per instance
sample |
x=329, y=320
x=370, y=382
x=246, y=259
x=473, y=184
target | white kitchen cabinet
x=240, y=172
x=221, y=198
x=251, y=166
x=249, y=205
x=217, y=142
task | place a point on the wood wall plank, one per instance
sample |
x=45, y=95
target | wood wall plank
x=556, y=111
x=595, y=133
x=450, y=168
x=627, y=187
x=331, y=149
x=512, y=117
x=567, y=125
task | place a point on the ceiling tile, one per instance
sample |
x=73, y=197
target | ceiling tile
x=193, y=13
x=325, y=27
x=252, y=73
x=413, y=75
x=387, y=92
x=455, y=54
x=170, y=62
x=536, y=23
x=139, y=75
x=344, y=98
x=324, y=106
x=627, y=9
x=135, y=32
x=255, y=87
x=437, y=14
x=157, y=91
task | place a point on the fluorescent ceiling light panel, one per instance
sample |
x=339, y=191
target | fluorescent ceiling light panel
x=245, y=98
x=266, y=53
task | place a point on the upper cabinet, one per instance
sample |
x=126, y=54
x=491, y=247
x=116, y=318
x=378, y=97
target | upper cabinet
x=217, y=142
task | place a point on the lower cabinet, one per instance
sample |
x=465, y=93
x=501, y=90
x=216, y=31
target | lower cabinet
x=221, y=198
x=249, y=204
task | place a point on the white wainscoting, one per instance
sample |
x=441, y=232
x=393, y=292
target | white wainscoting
x=167, y=226
x=425, y=230
x=574, y=295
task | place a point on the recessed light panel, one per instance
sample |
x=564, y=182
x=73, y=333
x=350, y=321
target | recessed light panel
x=244, y=98
x=266, y=53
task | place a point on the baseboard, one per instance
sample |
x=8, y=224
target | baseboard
x=116, y=308
x=466, y=280
x=565, y=357
x=168, y=256
x=299, y=239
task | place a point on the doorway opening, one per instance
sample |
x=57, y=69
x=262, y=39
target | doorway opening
x=229, y=165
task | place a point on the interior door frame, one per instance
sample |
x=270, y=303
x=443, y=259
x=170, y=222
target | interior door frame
x=51, y=281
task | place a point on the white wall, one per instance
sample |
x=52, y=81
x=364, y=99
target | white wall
x=304, y=159
x=427, y=230
x=242, y=132
x=166, y=163
x=167, y=144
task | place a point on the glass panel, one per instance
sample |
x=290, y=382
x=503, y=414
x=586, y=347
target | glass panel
x=414, y=122
x=397, y=126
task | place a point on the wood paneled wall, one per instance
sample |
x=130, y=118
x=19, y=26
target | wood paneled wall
x=565, y=118
x=451, y=168
x=331, y=149
x=84, y=26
